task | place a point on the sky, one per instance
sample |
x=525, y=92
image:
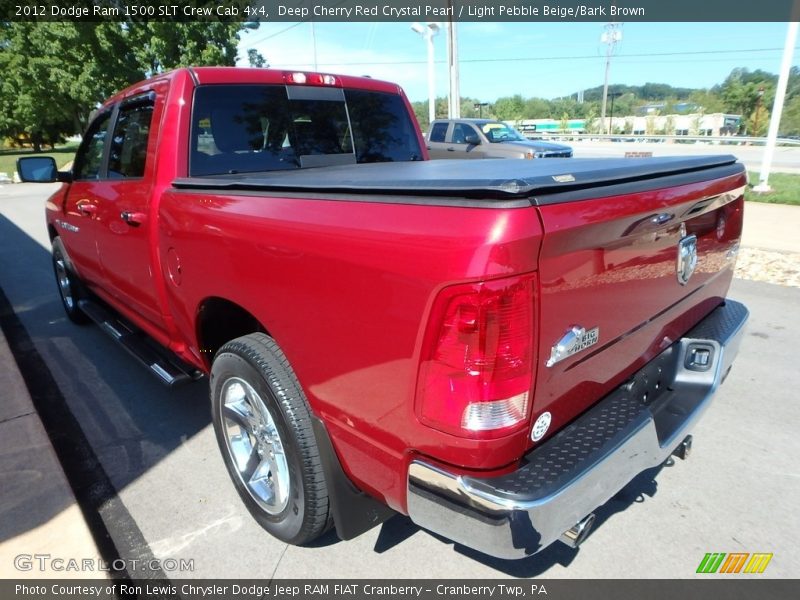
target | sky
x=547, y=60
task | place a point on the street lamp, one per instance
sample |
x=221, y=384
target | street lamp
x=428, y=31
x=479, y=106
x=758, y=110
x=611, y=119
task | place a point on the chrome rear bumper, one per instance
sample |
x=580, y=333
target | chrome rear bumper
x=634, y=428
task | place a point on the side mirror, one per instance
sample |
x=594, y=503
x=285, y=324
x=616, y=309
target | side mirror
x=39, y=169
x=472, y=139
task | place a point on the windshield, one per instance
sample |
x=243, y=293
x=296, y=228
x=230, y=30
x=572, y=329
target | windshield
x=497, y=132
x=250, y=128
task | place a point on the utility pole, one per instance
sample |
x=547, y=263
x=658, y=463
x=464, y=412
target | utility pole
x=610, y=37
x=454, y=96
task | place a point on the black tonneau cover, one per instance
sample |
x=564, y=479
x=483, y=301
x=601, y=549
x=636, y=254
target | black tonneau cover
x=541, y=181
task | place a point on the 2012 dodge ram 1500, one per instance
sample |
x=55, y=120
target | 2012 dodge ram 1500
x=493, y=348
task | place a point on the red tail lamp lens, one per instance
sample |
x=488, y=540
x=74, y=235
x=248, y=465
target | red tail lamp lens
x=477, y=365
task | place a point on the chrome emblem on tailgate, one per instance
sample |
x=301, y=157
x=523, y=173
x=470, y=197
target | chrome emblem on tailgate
x=687, y=256
x=575, y=340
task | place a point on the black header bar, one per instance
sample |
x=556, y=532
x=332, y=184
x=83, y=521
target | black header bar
x=728, y=588
x=563, y=11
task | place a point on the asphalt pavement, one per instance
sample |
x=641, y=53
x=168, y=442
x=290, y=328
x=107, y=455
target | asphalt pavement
x=149, y=468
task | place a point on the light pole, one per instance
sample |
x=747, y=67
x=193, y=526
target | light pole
x=479, y=106
x=777, y=107
x=611, y=37
x=758, y=110
x=454, y=95
x=428, y=31
x=611, y=119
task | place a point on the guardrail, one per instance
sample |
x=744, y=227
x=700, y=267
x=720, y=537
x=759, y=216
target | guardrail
x=733, y=140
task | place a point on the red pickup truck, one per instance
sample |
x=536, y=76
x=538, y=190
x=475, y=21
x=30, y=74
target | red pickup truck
x=494, y=348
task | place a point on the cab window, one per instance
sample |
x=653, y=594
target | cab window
x=128, y=152
x=89, y=158
x=252, y=128
x=438, y=132
x=460, y=133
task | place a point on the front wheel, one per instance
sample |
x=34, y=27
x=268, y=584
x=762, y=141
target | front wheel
x=263, y=427
x=70, y=287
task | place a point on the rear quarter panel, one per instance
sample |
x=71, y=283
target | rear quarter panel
x=345, y=287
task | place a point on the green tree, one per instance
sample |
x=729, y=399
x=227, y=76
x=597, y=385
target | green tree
x=509, y=108
x=708, y=101
x=421, y=112
x=255, y=59
x=758, y=122
x=592, y=122
x=55, y=74
x=790, y=119
x=159, y=46
x=743, y=91
x=537, y=108
x=468, y=110
x=628, y=126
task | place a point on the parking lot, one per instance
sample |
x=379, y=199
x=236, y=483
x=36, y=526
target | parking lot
x=785, y=160
x=162, y=491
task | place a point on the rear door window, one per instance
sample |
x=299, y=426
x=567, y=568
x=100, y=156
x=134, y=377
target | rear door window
x=438, y=132
x=128, y=152
x=89, y=158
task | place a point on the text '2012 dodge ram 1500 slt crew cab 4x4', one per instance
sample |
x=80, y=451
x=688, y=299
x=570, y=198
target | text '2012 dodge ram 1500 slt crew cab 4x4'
x=494, y=348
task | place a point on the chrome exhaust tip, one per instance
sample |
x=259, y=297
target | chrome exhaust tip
x=684, y=449
x=575, y=536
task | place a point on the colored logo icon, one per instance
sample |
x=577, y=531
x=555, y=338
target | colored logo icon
x=734, y=562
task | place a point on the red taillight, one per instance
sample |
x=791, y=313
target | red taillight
x=476, y=372
x=300, y=78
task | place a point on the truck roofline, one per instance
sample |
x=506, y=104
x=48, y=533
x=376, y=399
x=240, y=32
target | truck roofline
x=245, y=75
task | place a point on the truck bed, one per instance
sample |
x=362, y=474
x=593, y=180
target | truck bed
x=536, y=182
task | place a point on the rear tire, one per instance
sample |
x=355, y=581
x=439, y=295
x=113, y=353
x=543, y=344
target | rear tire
x=263, y=427
x=70, y=287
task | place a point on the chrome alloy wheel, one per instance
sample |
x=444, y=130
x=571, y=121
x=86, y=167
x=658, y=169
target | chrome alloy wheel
x=254, y=445
x=64, y=284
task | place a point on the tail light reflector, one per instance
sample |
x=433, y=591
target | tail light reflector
x=300, y=78
x=476, y=370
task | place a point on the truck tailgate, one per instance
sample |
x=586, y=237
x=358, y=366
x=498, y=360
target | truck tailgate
x=609, y=265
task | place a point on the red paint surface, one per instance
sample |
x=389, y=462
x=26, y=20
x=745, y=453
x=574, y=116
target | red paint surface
x=346, y=288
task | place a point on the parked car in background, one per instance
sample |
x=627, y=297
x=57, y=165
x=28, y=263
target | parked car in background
x=485, y=138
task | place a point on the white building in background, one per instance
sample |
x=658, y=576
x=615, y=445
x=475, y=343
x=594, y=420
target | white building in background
x=691, y=124
x=651, y=124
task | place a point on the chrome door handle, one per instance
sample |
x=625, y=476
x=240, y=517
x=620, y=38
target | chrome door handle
x=133, y=218
x=86, y=209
